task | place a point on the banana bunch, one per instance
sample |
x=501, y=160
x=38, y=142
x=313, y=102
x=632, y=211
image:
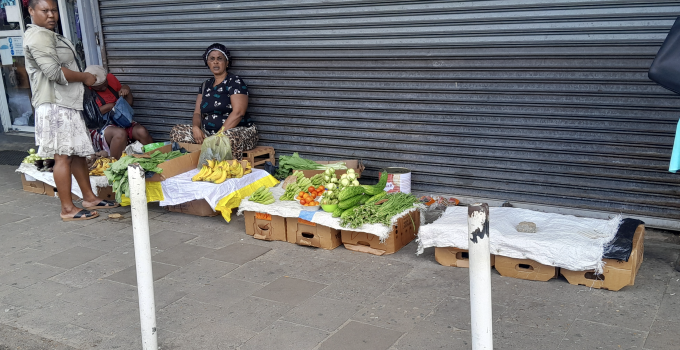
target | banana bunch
x=219, y=171
x=99, y=165
x=262, y=195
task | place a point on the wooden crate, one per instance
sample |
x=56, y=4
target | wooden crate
x=616, y=274
x=259, y=155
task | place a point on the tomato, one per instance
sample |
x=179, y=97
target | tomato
x=321, y=189
x=310, y=188
x=302, y=201
x=302, y=193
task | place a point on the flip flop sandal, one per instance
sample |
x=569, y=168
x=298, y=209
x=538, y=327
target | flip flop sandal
x=82, y=215
x=104, y=205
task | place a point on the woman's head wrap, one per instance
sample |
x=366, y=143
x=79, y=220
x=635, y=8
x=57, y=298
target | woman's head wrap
x=216, y=47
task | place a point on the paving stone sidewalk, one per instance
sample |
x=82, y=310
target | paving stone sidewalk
x=217, y=288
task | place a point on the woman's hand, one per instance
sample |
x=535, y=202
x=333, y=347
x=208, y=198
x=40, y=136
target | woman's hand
x=198, y=134
x=89, y=79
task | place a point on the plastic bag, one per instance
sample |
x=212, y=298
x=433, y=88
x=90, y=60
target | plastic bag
x=216, y=147
x=91, y=114
x=622, y=245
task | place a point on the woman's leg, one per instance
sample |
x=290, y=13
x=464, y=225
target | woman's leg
x=140, y=134
x=63, y=165
x=117, y=139
x=82, y=175
x=242, y=139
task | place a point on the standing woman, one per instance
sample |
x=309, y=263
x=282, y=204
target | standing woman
x=220, y=107
x=57, y=87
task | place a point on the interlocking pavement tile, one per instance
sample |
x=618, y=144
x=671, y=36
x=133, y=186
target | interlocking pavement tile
x=286, y=336
x=8, y=218
x=542, y=313
x=202, y=271
x=431, y=285
x=166, y=292
x=290, y=290
x=187, y=314
x=322, y=313
x=663, y=335
x=455, y=312
x=428, y=335
x=22, y=257
x=360, y=336
x=27, y=275
x=558, y=290
x=254, y=313
x=168, y=238
x=9, y=314
x=132, y=339
x=629, y=308
x=586, y=335
x=72, y=257
x=99, y=294
x=111, y=319
x=60, y=242
x=262, y=271
x=182, y=254
x=238, y=253
x=36, y=295
x=391, y=313
x=129, y=275
x=511, y=336
x=225, y=291
x=211, y=336
x=670, y=308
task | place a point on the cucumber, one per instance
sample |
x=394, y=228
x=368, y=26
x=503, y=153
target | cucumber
x=348, y=212
x=352, y=202
x=377, y=197
x=337, y=212
x=365, y=198
x=377, y=188
x=350, y=192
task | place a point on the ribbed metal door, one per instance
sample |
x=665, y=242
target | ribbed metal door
x=539, y=101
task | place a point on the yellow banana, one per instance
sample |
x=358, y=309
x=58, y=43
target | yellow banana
x=207, y=174
x=199, y=175
x=211, y=163
x=222, y=178
x=240, y=171
x=216, y=175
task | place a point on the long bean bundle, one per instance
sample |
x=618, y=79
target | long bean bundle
x=378, y=213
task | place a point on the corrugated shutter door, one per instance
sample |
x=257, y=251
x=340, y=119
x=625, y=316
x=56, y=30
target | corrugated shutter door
x=539, y=101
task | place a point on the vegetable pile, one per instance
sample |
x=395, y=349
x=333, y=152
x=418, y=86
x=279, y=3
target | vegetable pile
x=335, y=186
x=262, y=195
x=374, y=213
x=117, y=172
x=288, y=164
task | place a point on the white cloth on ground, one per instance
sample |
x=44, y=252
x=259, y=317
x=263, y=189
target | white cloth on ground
x=48, y=178
x=180, y=189
x=565, y=241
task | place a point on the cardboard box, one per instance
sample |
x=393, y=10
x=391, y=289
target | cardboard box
x=524, y=269
x=351, y=164
x=32, y=186
x=198, y=207
x=449, y=256
x=176, y=166
x=310, y=234
x=266, y=227
x=616, y=274
x=403, y=232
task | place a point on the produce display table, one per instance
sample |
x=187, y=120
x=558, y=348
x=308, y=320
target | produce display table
x=222, y=197
x=31, y=172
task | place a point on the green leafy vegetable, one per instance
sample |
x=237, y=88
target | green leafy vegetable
x=117, y=172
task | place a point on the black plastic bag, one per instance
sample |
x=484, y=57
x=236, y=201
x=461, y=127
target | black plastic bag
x=665, y=69
x=622, y=245
x=91, y=114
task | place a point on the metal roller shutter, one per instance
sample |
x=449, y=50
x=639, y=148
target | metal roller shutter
x=536, y=101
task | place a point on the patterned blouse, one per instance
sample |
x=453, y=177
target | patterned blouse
x=216, y=102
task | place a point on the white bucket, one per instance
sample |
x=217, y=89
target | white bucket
x=398, y=180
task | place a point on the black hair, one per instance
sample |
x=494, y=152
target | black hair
x=32, y=3
x=220, y=47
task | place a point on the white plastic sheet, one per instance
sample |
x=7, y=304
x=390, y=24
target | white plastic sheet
x=564, y=241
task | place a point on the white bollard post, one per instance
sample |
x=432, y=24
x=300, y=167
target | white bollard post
x=480, y=277
x=140, y=228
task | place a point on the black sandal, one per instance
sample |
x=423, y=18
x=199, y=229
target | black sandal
x=82, y=215
x=104, y=205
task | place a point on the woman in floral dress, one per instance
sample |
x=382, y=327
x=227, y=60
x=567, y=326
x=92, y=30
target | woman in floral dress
x=221, y=107
x=57, y=87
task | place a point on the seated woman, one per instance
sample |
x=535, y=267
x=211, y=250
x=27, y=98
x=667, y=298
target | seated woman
x=221, y=106
x=112, y=139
